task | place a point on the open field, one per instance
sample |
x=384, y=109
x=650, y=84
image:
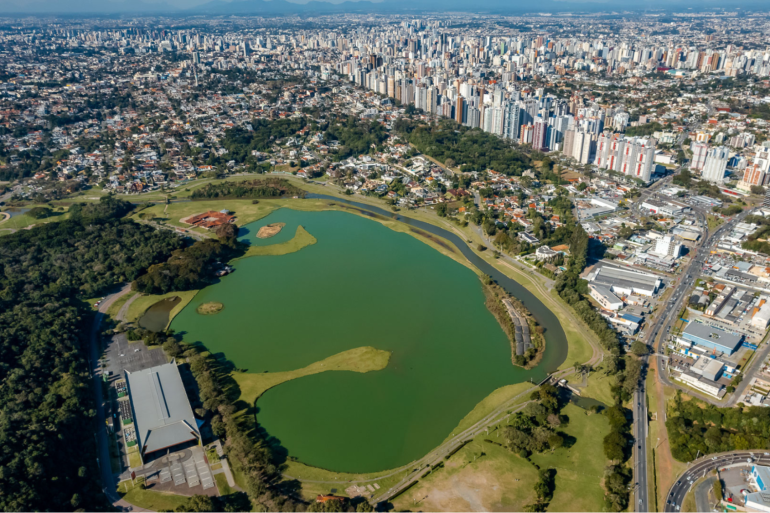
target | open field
x=579, y=469
x=483, y=476
x=141, y=304
x=301, y=239
x=147, y=499
x=360, y=359
x=479, y=477
x=24, y=221
x=597, y=386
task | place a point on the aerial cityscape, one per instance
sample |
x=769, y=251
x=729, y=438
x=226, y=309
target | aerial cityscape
x=272, y=256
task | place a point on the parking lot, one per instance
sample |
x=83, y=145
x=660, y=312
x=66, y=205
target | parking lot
x=120, y=355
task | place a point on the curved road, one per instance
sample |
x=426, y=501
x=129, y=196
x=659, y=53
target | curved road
x=700, y=467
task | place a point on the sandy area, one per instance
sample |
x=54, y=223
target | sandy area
x=270, y=230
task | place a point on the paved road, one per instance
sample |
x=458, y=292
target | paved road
x=109, y=483
x=639, y=409
x=702, y=494
x=700, y=467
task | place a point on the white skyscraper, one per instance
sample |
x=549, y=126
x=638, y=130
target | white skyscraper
x=699, y=151
x=716, y=163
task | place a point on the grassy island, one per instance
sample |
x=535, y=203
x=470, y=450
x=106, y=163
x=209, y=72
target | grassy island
x=270, y=230
x=301, y=239
x=210, y=308
x=360, y=359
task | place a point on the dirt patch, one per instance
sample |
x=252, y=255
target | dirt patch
x=270, y=230
x=210, y=308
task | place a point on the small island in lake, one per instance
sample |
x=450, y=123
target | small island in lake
x=210, y=308
x=270, y=230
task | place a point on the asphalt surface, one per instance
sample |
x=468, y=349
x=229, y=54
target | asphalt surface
x=702, y=494
x=700, y=467
x=640, y=450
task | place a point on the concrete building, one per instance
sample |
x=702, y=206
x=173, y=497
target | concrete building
x=162, y=414
x=716, y=164
x=605, y=297
x=625, y=281
x=712, y=338
x=668, y=246
x=699, y=151
x=758, y=497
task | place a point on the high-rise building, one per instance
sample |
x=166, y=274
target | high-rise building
x=699, y=151
x=459, y=109
x=538, y=134
x=716, y=164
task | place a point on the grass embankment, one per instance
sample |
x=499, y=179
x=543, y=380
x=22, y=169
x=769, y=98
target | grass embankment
x=148, y=499
x=360, y=359
x=141, y=304
x=20, y=222
x=597, y=385
x=210, y=308
x=483, y=476
x=301, y=239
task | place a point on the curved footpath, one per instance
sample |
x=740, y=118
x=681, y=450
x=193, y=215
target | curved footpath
x=700, y=467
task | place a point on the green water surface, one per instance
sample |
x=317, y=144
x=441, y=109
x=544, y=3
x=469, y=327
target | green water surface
x=361, y=284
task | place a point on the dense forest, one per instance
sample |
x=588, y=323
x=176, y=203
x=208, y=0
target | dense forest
x=471, y=149
x=189, y=268
x=48, y=459
x=265, y=188
x=695, y=426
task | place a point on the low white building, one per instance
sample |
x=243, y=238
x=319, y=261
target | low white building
x=605, y=297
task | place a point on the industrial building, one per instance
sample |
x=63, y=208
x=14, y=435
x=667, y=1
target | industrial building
x=625, y=281
x=162, y=413
x=605, y=297
x=759, y=479
x=712, y=338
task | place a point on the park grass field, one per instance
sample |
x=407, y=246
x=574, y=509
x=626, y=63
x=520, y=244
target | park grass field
x=148, y=499
x=301, y=239
x=142, y=303
x=360, y=359
x=597, y=386
x=580, y=468
x=479, y=477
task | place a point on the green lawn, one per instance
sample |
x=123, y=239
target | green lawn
x=598, y=386
x=24, y=221
x=133, y=457
x=141, y=304
x=579, y=469
x=224, y=488
x=147, y=499
x=115, y=307
x=360, y=359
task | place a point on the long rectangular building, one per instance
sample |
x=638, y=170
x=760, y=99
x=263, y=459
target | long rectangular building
x=625, y=281
x=163, y=416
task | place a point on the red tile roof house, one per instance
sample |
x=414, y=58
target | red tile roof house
x=210, y=219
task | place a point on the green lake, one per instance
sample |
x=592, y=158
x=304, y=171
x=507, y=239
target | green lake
x=361, y=284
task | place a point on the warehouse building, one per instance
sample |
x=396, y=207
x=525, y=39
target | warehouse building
x=712, y=338
x=624, y=282
x=163, y=416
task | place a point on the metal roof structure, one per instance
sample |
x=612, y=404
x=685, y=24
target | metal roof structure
x=710, y=336
x=162, y=413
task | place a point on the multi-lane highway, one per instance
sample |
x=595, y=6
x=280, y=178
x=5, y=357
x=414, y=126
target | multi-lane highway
x=701, y=467
x=640, y=450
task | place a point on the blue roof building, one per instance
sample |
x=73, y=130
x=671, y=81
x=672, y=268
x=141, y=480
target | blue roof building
x=712, y=338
